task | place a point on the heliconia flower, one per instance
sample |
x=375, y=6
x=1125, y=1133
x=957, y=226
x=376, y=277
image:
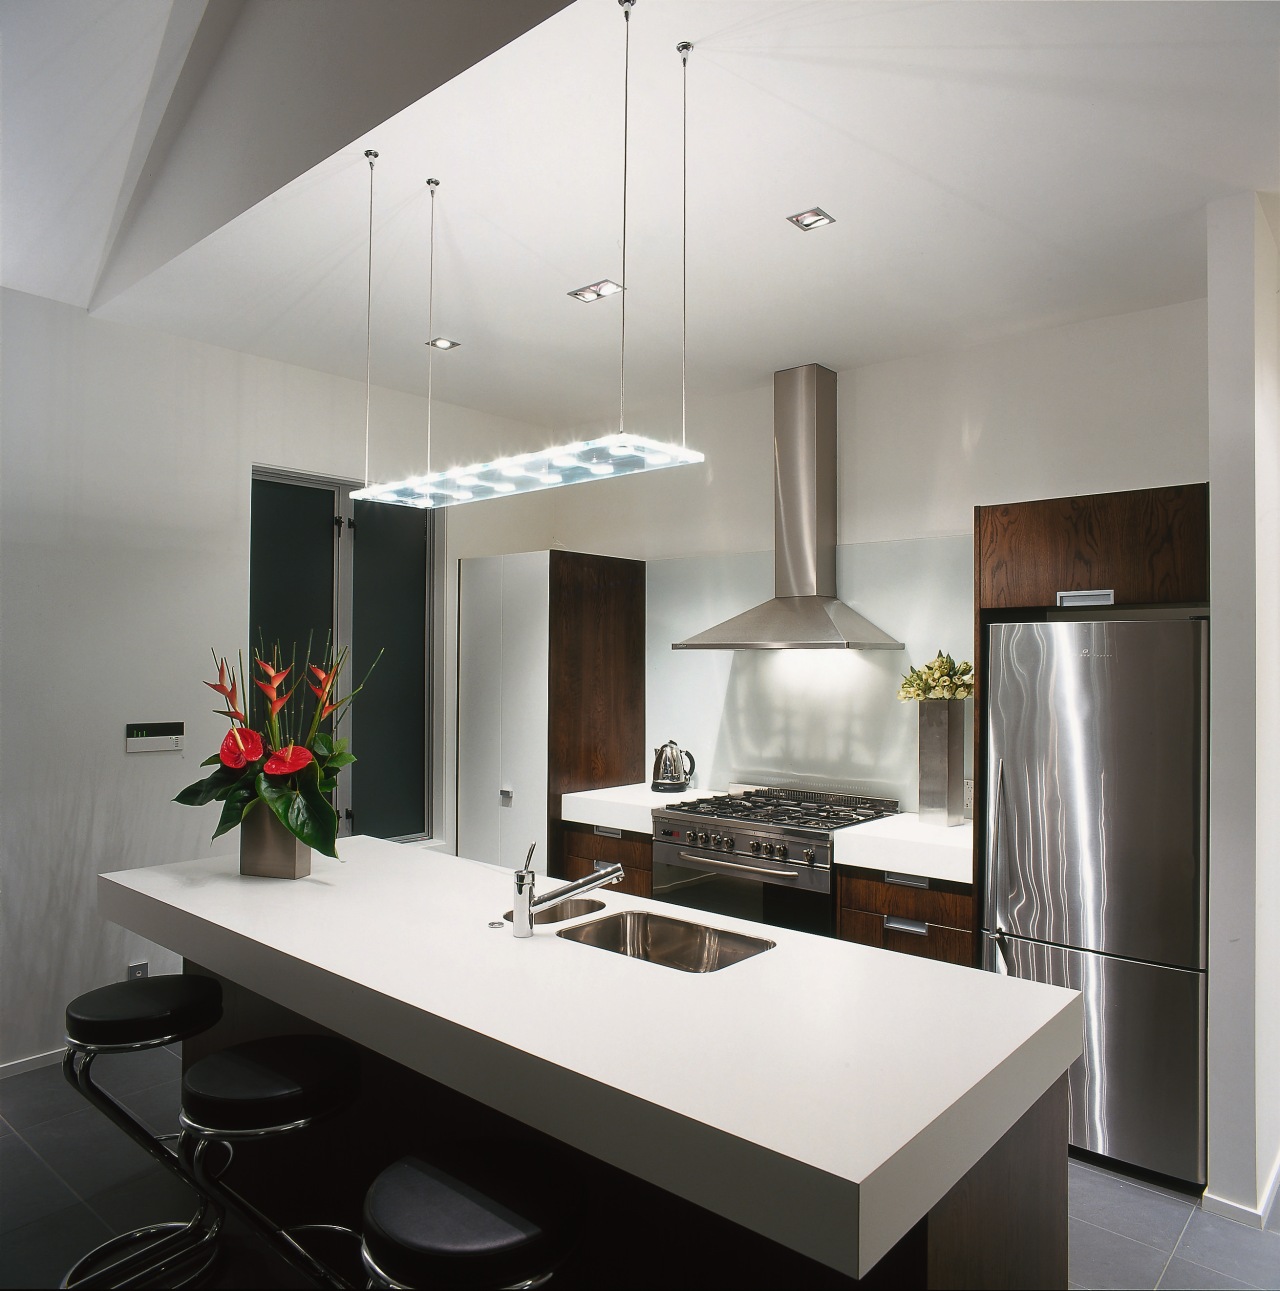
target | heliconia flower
x=227, y=692
x=234, y=713
x=275, y=677
x=291, y=758
x=266, y=687
x=278, y=704
x=241, y=746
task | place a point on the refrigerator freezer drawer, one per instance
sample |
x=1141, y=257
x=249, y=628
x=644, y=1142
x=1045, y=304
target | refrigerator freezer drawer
x=1137, y=1091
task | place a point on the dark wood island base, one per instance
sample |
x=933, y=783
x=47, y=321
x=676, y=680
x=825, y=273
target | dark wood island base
x=1004, y=1225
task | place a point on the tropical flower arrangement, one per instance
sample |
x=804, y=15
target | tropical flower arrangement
x=940, y=678
x=290, y=765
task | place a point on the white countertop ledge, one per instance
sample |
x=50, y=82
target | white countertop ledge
x=903, y=845
x=823, y=1093
x=626, y=806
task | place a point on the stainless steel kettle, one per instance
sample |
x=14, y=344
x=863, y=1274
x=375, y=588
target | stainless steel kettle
x=670, y=774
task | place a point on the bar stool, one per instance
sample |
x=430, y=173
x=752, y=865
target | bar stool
x=484, y=1215
x=258, y=1090
x=127, y=1017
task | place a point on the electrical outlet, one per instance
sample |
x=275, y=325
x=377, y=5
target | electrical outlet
x=136, y=971
x=968, y=795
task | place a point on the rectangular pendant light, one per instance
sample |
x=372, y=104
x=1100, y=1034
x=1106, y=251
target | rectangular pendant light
x=594, y=459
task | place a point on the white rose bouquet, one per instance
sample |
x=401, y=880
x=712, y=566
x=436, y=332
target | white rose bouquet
x=941, y=678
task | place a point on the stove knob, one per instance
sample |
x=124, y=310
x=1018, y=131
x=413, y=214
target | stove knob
x=755, y=847
x=728, y=843
x=782, y=851
x=715, y=840
x=693, y=836
x=702, y=840
x=808, y=855
x=768, y=849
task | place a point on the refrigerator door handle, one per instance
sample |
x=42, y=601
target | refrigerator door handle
x=995, y=913
x=1002, y=953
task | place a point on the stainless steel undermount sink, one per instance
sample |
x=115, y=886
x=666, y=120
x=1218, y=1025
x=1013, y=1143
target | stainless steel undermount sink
x=673, y=943
x=570, y=909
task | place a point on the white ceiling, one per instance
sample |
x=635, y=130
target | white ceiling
x=992, y=167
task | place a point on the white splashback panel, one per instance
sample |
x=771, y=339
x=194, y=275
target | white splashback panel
x=805, y=716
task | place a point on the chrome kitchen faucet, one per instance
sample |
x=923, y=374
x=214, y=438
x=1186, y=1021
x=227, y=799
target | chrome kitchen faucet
x=525, y=907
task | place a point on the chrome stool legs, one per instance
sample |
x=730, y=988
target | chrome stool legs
x=170, y=1254
x=193, y=1148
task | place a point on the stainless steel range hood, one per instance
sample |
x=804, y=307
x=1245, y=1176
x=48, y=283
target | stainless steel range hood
x=804, y=613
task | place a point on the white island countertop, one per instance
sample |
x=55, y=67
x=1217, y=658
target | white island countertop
x=626, y=806
x=903, y=845
x=825, y=1094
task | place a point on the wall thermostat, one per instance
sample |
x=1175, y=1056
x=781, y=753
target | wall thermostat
x=153, y=737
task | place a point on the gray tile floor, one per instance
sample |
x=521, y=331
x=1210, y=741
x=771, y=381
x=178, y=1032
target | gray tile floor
x=1127, y=1232
x=69, y=1179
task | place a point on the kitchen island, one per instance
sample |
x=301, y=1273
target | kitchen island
x=825, y=1095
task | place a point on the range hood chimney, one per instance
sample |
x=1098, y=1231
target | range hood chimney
x=804, y=613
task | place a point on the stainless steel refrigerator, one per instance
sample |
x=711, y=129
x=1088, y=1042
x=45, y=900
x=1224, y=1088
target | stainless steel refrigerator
x=1096, y=864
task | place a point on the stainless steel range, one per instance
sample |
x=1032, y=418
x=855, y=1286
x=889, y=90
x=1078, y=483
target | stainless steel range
x=764, y=854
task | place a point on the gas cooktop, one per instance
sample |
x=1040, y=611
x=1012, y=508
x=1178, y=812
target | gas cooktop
x=787, y=808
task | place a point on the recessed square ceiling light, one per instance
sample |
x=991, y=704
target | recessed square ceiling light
x=813, y=219
x=443, y=343
x=594, y=290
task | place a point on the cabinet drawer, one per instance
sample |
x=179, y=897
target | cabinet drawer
x=635, y=882
x=907, y=936
x=950, y=905
x=633, y=850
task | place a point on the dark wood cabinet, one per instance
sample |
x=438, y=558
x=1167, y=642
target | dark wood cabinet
x=595, y=733
x=584, y=847
x=935, y=921
x=1149, y=546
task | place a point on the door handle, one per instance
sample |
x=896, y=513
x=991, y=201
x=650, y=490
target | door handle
x=737, y=865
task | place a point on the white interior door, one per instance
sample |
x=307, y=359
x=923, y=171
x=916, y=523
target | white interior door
x=479, y=742
x=525, y=632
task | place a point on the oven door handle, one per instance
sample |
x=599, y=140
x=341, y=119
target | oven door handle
x=737, y=865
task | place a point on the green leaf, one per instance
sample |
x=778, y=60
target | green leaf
x=303, y=811
x=322, y=745
x=340, y=746
x=338, y=761
x=328, y=785
x=213, y=787
x=235, y=805
x=211, y=761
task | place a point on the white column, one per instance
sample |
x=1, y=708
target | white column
x=1244, y=891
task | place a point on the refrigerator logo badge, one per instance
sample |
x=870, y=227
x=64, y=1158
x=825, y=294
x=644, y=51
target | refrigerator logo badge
x=1096, y=654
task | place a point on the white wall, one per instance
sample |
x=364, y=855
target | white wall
x=125, y=469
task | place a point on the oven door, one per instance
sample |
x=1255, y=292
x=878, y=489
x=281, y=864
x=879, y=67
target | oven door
x=779, y=895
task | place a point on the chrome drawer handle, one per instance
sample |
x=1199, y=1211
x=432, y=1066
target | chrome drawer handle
x=735, y=865
x=607, y=831
x=905, y=880
x=917, y=928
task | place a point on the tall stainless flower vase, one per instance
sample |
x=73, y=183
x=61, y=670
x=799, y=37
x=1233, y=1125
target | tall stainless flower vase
x=268, y=850
x=941, y=761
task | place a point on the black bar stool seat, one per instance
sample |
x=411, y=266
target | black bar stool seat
x=488, y=1215
x=258, y=1090
x=262, y=1085
x=126, y=1017
x=148, y=1011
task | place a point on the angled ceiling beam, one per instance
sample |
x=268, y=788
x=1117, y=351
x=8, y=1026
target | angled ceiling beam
x=290, y=83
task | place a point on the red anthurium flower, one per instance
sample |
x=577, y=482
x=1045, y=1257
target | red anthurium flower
x=240, y=747
x=291, y=758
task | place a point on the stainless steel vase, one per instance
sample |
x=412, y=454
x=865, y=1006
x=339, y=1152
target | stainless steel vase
x=268, y=850
x=941, y=761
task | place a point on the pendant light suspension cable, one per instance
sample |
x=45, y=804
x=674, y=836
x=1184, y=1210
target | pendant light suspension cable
x=432, y=185
x=368, y=323
x=627, y=6
x=683, y=49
